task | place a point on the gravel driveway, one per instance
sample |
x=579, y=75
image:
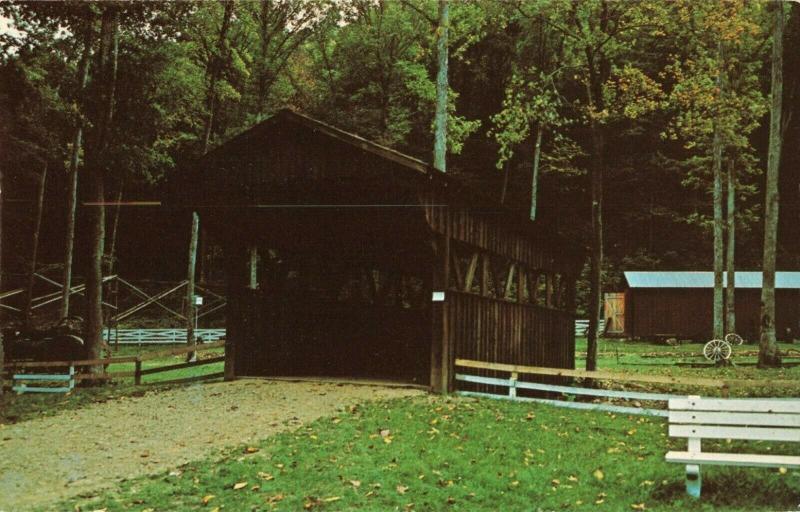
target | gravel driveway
x=49, y=459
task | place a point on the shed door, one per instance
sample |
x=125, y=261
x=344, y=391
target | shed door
x=615, y=313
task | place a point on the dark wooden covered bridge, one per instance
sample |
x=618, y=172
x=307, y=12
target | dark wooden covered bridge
x=346, y=258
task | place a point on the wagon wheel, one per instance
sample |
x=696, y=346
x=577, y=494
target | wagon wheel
x=716, y=350
x=734, y=339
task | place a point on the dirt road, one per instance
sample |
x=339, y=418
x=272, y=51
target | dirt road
x=49, y=459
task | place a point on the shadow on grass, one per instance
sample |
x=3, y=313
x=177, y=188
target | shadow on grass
x=738, y=488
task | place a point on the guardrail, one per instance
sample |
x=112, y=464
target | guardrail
x=514, y=384
x=138, y=371
x=158, y=336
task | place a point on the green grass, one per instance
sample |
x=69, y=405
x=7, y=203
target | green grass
x=658, y=359
x=15, y=408
x=455, y=454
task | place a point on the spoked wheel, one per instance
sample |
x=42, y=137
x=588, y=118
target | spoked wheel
x=717, y=350
x=734, y=339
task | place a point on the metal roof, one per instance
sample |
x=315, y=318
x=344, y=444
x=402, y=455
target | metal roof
x=786, y=280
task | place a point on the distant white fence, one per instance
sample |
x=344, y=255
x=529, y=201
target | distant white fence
x=158, y=336
x=582, y=327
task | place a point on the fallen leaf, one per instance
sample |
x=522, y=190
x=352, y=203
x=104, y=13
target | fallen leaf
x=555, y=481
x=572, y=478
x=782, y=470
x=239, y=485
x=355, y=483
x=332, y=499
x=637, y=506
x=251, y=449
x=385, y=432
x=208, y=498
x=598, y=474
x=255, y=488
x=401, y=489
x=265, y=476
x=275, y=498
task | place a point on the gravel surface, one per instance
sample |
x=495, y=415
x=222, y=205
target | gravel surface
x=75, y=452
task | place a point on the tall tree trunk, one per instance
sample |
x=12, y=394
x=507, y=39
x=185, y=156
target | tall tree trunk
x=37, y=227
x=504, y=186
x=72, y=175
x=768, y=348
x=596, y=274
x=2, y=348
x=253, y=285
x=190, y=307
x=537, y=153
x=440, y=135
x=719, y=241
x=114, y=229
x=214, y=74
x=730, y=298
x=106, y=74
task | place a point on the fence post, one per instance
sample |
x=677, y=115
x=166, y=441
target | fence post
x=512, y=388
x=137, y=373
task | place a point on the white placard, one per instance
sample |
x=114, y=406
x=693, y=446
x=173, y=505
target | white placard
x=437, y=297
x=198, y=300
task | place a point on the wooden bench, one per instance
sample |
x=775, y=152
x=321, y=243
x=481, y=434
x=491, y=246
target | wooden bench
x=698, y=418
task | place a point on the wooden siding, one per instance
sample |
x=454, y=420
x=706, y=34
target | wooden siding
x=687, y=313
x=500, y=331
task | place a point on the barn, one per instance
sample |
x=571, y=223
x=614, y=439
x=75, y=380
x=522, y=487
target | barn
x=680, y=304
x=345, y=258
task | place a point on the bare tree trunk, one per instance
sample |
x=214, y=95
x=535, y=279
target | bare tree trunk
x=504, y=186
x=719, y=241
x=94, y=164
x=190, y=307
x=114, y=227
x=596, y=274
x=2, y=348
x=214, y=72
x=730, y=297
x=72, y=177
x=253, y=268
x=440, y=135
x=537, y=153
x=37, y=227
x=768, y=355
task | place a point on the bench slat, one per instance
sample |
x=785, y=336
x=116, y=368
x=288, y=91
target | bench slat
x=734, y=459
x=735, y=405
x=755, y=419
x=729, y=432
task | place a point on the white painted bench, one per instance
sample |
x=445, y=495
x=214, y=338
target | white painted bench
x=698, y=418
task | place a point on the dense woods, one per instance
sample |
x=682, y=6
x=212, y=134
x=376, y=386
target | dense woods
x=642, y=130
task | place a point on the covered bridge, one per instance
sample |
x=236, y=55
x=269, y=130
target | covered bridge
x=346, y=258
x=658, y=304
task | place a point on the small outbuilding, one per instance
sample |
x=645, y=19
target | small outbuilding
x=680, y=304
x=346, y=258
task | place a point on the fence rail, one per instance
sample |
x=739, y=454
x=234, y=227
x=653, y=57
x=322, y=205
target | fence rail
x=158, y=336
x=582, y=327
x=137, y=373
x=514, y=384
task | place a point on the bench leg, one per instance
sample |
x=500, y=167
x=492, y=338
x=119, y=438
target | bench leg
x=693, y=480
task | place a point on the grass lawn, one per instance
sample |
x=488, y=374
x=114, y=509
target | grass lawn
x=456, y=454
x=648, y=358
x=15, y=408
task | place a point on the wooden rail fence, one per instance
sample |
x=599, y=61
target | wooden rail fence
x=138, y=371
x=514, y=384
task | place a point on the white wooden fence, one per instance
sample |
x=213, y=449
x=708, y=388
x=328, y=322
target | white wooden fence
x=158, y=336
x=582, y=326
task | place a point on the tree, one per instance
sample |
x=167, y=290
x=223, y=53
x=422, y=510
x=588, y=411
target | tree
x=104, y=82
x=440, y=132
x=768, y=355
x=37, y=228
x=719, y=255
